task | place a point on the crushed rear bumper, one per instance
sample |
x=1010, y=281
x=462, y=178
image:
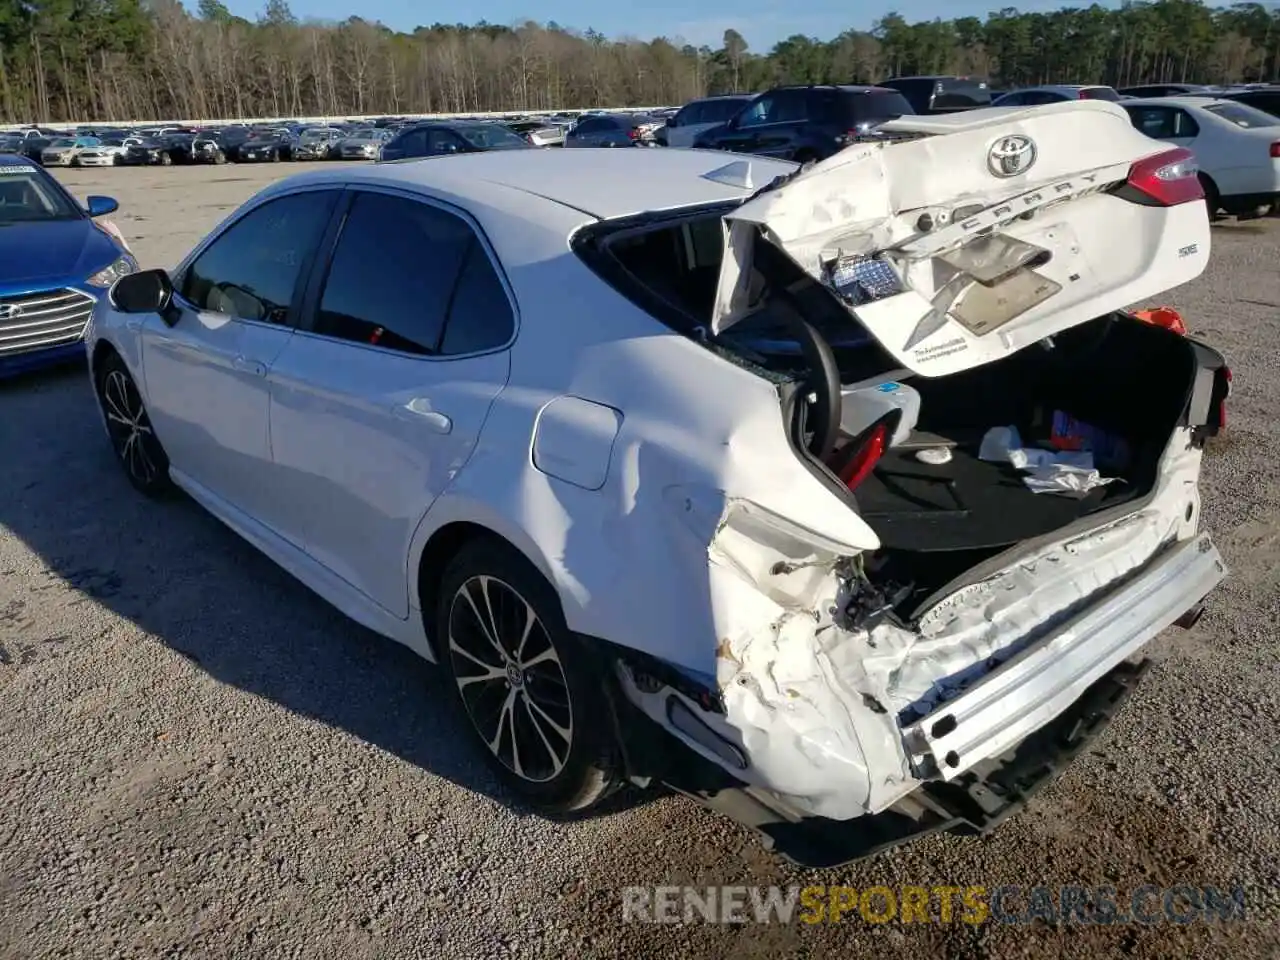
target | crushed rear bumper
x=973, y=802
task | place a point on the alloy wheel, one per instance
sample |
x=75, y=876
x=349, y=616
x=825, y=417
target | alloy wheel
x=512, y=684
x=134, y=441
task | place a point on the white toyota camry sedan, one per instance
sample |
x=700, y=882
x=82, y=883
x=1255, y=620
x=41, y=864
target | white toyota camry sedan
x=842, y=499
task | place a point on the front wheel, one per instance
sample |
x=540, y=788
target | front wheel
x=132, y=438
x=530, y=690
x=219, y=158
x=166, y=160
x=275, y=156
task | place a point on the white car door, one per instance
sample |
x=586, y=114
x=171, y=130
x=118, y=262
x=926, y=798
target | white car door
x=206, y=375
x=379, y=399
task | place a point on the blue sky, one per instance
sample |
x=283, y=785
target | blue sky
x=761, y=22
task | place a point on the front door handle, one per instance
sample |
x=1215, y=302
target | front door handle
x=419, y=411
x=253, y=367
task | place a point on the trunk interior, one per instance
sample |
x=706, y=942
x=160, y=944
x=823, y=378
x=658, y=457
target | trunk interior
x=1126, y=378
x=1118, y=374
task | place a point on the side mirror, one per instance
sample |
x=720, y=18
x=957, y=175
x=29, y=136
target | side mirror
x=147, y=291
x=101, y=206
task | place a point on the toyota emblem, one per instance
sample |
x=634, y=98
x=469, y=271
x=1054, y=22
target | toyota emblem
x=10, y=311
x=1012, y=155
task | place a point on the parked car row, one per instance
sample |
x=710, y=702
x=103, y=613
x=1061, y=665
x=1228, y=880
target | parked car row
x=237, y=143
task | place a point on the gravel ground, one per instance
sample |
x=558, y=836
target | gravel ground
x=203, y=759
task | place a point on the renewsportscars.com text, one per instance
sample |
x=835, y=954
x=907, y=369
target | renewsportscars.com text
x=972, y=905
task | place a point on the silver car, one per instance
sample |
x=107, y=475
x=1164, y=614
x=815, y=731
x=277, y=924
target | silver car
x=363, y=144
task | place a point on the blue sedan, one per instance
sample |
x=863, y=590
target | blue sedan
x=54, y=264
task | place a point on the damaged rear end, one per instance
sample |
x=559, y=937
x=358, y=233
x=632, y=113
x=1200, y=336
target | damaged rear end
x=943, y=310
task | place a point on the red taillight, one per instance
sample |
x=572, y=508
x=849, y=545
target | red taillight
x=1275, y=149
x=870, y=450
x=1167, y=179
x=633, y=133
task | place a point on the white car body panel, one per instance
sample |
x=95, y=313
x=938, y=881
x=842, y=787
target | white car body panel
x=654, y=484
x=1237, y=158
x=868, y=198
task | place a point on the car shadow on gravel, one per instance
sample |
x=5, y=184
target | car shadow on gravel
x=187, y=581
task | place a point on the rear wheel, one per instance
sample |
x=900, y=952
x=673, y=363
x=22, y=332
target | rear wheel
x=132, y=438
x=529, y=689
x=1212, y=199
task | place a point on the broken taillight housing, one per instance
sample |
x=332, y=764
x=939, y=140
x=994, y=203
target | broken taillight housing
x=869, y=450
x=1164, y=180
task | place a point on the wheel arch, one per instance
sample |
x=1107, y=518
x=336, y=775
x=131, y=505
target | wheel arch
x=449, y=526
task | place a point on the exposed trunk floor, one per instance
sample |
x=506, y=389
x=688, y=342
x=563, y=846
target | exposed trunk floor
x=967, y=504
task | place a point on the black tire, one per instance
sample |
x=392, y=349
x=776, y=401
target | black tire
x=537, y=709
x=166, y=160
x=1212, y=199
x=804, y=156
x=275, y=156
x=75, y=161
x=132, y=438
x=117, y=161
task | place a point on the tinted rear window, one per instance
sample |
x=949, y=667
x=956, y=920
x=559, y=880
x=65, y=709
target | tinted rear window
x=864, y=107
x=1242, y=115
x=1099, y=93
x=961, y=95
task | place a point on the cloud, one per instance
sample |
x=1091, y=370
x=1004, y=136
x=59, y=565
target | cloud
x=761, y=30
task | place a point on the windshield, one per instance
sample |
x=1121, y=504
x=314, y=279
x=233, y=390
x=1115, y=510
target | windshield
x=490, y=137
x=28, y=195
x=1243, y=115
x=317, y=135
x=63, y=142
x=368, y=133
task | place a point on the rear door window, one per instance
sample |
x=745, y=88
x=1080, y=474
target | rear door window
x=722, y=111
x=392, y=274
x=1163, y=123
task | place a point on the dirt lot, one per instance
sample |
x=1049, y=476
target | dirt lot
x=203, y=759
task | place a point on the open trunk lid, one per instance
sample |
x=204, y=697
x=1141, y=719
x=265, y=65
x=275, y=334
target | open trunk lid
x=959, y=239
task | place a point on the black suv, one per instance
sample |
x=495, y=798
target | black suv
x=805, y=123
x=1266, y=99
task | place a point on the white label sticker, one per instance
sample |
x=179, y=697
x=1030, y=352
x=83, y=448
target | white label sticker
x=16, y=168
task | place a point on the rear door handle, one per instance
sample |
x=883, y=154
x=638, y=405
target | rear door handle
x=419, y=411
x=254, y=367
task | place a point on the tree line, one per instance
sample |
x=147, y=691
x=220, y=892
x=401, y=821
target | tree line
x=66, y=60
